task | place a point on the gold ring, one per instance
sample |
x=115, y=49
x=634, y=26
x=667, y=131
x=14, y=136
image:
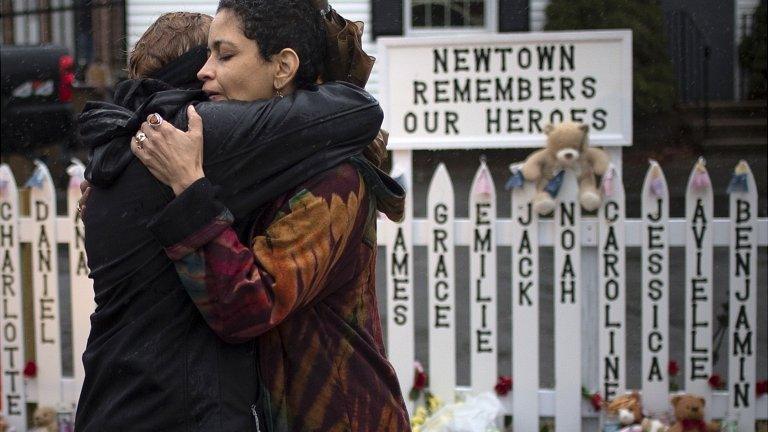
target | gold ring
x=155, y=120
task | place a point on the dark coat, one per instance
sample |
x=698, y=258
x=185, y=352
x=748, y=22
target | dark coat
x=151, y=362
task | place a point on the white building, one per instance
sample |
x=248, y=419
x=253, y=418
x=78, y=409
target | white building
x=103, y=30
x=449, y=17
x=384, y=17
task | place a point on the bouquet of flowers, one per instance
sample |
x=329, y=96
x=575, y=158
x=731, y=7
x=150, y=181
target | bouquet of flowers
x=479, y=413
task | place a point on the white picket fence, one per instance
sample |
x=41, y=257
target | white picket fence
x=42, y=231
x=600, y=242
x=579, y=243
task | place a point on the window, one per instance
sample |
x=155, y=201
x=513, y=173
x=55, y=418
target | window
x=429, y=16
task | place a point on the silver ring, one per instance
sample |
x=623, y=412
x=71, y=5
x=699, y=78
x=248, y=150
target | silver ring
x=155, y=120
x=141, y=137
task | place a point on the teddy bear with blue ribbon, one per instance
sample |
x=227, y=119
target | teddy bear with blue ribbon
x=567, y=148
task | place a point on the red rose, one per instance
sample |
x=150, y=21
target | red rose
x=597, y=401
x=716, y=381
x=419, y=377
x=761, y=387
x=503, y=385
x=420, y=381
x=673, y=368
x=30, y=370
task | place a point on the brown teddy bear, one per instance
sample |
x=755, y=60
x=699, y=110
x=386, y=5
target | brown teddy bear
x=4, y=427
x=627, y=409
x=689, y=415
x=567, y=148
x=45, y=420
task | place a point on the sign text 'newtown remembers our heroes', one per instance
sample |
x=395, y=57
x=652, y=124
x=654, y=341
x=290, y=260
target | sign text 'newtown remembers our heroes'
x=559, y=85
x=499, y=90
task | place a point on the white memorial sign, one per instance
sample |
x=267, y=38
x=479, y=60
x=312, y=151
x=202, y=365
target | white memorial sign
x=500, y=90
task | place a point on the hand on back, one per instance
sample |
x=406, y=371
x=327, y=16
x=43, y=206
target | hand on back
x=173, y=156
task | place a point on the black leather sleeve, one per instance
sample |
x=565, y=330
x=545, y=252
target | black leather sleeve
x=257, y=150
x=324, y=116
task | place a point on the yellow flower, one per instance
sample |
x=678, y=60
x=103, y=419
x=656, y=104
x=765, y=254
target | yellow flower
x=434, y=403
x=419, y=417
x=421, y=412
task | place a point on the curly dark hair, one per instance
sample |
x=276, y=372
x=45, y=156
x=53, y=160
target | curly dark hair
x=279, y=24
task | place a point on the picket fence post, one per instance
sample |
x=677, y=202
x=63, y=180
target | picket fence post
x=81, y=287
x=612, y=288
x=525, y=308
x=655, y=291
x=398, y=238
x=441, y=281
x=567, y=301
x=45, y=282
x=482, y=280
x=14, y=400
x=743, y=294
x=699, y=212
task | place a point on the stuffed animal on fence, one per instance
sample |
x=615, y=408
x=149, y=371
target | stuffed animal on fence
x=626, y=409
x=4, y=426
x=567, y=148
x=689, y=415
x=653, y=425
x=45, y=420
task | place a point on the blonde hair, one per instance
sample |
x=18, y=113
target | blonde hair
x=627, y=401
x=167, y=39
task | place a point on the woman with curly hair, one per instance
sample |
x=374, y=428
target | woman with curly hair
x=168, y=352
x=302, y=282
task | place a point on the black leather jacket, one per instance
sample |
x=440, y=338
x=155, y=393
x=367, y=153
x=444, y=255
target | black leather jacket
x=151, y=363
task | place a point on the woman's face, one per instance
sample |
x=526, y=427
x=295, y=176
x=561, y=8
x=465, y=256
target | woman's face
x=235, y=69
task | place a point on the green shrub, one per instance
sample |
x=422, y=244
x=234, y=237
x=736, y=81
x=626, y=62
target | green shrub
x=653, y=80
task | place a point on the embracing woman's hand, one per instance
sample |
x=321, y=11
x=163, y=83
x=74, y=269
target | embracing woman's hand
x=174, y=157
